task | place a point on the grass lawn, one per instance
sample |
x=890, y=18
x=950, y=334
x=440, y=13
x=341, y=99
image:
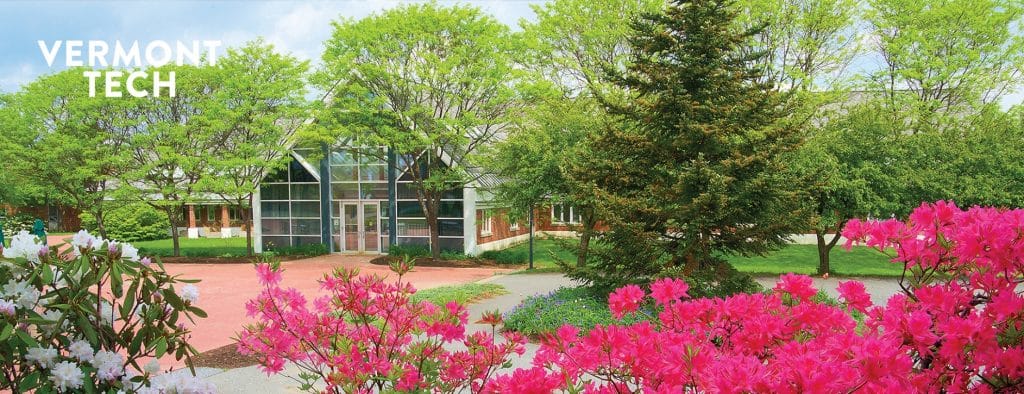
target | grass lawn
x=544, y=253
x=196, y=247
x=801, y=259
x=464, y=294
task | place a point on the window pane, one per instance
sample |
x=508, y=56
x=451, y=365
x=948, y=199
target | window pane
x=409, y=209
x=306, y=192
x=306, y=227
x=345, y=191
x=299, y=173
x=452, y=244
x=269, y=243
x=306, y=209
x=274, y=209
x=406, y=190
x=450, y=227
x=274, y=192
x=413, y=227
x=274, y=226
x=344, y=173
x=374, y=173
x=342, y=157
x=450, y=209
x=454, y=194
x=281, y=175
x=556, y=213
x=414, y=241
x=297, y=241
x=372, y=191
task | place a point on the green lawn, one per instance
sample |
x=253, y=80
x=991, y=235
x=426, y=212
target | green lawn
x=544, y=253
x=197, y=247
x=464, y=294
x=801, y=259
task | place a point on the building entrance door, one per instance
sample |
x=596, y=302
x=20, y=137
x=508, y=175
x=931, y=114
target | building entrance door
x=358, y=227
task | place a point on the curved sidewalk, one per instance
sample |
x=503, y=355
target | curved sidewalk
x=224, y=288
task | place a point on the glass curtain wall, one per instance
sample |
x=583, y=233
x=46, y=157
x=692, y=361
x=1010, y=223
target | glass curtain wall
x=290, y=207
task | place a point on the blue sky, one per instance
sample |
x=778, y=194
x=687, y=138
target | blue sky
x=298, y=27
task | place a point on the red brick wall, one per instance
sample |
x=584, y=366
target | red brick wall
x=499, y=226
x=68, y=220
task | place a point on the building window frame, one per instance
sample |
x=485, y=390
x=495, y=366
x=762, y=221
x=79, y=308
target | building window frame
x=566, y=214
x=486, y=223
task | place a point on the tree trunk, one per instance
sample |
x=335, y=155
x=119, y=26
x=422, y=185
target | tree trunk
x=101, y=228
x=823, y=253
x=174, y=232
x=435, y=240
x=587, y=230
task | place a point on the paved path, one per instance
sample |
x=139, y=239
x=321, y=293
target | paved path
x=225, y=288
x=879, y=289
x=251, y=380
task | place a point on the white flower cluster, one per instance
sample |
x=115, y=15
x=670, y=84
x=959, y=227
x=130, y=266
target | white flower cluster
x=25, y=245
x=189, y=293
x=109, y=366
x=22, y=294
x=84, y=240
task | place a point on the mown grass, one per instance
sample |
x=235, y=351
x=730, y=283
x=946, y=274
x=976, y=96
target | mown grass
x=464, y=294
x=195, y=247
x=800, y=259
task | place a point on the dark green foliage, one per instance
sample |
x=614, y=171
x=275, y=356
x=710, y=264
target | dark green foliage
x=17, y=222
x=309, y=250
x=131, y=223
x=694, y=166
x=506, y=256
x=409, y=250
x=718, y=279
x=576, y=306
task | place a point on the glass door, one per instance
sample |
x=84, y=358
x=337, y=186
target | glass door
x=370, y=234
x=358, y=227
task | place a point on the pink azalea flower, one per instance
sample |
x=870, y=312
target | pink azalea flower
x=624, y=300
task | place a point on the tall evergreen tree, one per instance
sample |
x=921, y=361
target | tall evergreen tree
x=694, y=171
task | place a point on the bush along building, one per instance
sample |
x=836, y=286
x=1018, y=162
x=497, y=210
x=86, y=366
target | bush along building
x=351, y=199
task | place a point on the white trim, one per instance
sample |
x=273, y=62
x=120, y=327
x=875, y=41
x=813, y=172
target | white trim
x=257, y=222
x=487, y=223
x=469, y=220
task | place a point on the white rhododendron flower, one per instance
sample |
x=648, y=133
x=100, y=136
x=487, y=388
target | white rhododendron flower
x=107, y=313
x=83, y=239
x=81, y=350
x=189, y=293
x=129, y=252
x=43, y=357
x=109, y=365
x=66, y=376
x=22, y=293
x=23, y=245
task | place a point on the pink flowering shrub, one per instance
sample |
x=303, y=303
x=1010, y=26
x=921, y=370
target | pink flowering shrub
x=364, y=334
x=957, y=326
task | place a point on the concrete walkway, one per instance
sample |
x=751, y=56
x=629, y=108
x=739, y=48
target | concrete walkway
x=225, y=288
x=252, y=380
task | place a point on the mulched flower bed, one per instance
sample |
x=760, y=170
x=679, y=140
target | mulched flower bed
x=430, y=262
x=222, y=260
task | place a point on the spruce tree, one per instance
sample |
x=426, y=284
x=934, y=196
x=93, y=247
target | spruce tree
x=693, y=170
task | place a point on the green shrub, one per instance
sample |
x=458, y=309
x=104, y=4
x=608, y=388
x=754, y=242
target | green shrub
x=17, y=222
x=576, y=306
x=506, y=256
x=716, y=279
x=409, y=250
x=309, y=250
x=454, y=255
x=131, y=223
